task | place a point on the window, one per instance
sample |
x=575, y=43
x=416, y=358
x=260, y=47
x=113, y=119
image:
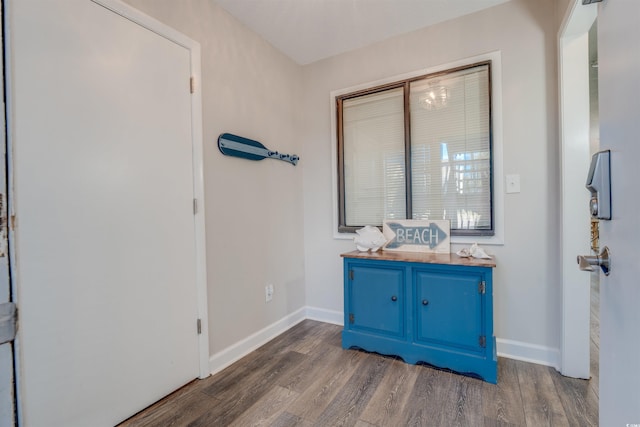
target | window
x=418, y=149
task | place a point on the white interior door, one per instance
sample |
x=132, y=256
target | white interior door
x=619, y=92
x=105, y=248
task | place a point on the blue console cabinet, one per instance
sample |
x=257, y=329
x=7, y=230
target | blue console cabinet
x=430, y=308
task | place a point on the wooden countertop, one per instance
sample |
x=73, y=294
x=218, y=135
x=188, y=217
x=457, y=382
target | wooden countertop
x=427, y=258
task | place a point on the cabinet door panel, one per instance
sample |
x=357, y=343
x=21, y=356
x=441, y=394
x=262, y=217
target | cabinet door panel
x=377, y=300
x=449, y=309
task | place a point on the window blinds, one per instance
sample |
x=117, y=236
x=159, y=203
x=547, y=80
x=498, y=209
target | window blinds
x=451, y=152
x=374, y=170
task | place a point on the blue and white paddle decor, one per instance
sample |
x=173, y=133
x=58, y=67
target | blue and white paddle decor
x=237, y=146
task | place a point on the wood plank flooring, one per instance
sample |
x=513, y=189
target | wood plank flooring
x=304, y=378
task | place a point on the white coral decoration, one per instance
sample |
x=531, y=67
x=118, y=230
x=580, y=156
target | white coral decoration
x=474, y=251
x=369, y=238
x=477, y=252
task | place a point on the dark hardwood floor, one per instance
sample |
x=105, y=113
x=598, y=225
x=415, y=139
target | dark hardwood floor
x=304, y=378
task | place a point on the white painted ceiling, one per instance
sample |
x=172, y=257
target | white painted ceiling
x=310, y=30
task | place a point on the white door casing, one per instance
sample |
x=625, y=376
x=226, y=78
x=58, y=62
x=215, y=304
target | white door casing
x=7, y=395
x=105, y=141
x=573, y=49
x=619, y=95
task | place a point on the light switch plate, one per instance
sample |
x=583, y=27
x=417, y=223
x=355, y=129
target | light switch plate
x=513, y=183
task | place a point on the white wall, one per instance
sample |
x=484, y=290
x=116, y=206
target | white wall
x=527, y=287
x=254, y=210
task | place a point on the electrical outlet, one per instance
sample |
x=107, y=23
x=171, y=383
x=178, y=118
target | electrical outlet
x=268, y=291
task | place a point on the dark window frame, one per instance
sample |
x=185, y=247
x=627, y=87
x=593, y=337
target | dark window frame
x=405, y=84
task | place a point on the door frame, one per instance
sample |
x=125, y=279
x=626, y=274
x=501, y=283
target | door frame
x=193, y=47
x=7, y=378
x=573, y=89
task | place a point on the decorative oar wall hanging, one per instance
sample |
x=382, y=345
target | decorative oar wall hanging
x=237, y=146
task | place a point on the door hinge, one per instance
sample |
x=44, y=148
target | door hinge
x=192, y=84
x=482, y=287
x=199, y=326
x=350, y=274
x=482, y=341
x=195, y=206
x=8, y=317
x=352, y=318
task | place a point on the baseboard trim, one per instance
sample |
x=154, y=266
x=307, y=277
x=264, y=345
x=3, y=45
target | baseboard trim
x=324, y=315
x=526, y=352
x=510, y=349
x=237, y=351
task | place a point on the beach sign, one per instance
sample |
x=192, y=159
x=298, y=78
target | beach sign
x=408, y=235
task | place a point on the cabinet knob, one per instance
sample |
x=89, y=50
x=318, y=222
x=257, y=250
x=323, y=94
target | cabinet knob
x=394, y=298
x=425, y=302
